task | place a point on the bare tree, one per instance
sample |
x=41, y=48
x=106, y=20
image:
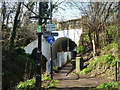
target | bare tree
x=15, y=25
x=95, y=15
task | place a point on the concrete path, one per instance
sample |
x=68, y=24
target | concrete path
x=75, y=82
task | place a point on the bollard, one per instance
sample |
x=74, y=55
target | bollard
x=79, y=64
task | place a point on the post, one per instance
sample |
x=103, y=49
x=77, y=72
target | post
x=79, y=64
x=68, y=36
x=116, y=70
x=68, y=42
x=51, y=65
x=51, y=62
x=39, y=51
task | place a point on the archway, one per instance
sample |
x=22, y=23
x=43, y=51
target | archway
x=60, y=45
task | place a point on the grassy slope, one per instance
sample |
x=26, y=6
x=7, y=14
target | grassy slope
x=104, y=65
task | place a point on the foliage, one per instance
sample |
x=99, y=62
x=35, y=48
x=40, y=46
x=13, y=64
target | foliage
x=34, y=56
x=27, y=84
x=31, y=83
x=86, y=70
x=111, y=48
x=55, y=69
x=81, y=49
x=15, y=64
x=86, y=38
x=53, y=83
x=110, y=30
x=109, y=58
x=15, y=60
x=109, y=85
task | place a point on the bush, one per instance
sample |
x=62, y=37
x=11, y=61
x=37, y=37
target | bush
x=111, y=48
x=86, y=70
x=15, y=64
x=81, y=49
x=55, y=69
x=110, y=58
x=34, y=56
x=109, y=85
x=27, y=84
x=46, y=82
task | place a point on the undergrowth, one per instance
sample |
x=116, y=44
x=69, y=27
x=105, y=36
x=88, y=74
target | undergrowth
x=109, y=85
x=15, y=64
x=30, y=84
x=105, y=63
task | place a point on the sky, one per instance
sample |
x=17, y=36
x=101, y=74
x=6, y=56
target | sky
x=0, y=5
x=67, y=13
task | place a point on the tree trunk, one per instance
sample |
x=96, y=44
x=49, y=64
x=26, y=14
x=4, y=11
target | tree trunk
x=3, y=14
x=89, y=34
x=15, y=25
x=119, y=22
x=97, y=39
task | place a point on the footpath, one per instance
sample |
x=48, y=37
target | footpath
x=76, y=82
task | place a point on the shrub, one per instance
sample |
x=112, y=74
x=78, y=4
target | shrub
x=27, y=84
x=110, y=58
x=86, y=70
x=55, y=69
x=109, y=85
x=81, y=49
x=31, y=83
x=16, y=64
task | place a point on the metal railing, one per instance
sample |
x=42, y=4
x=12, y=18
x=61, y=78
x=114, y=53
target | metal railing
x=117, y=70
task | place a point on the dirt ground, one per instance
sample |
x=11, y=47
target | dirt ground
x=76, y=82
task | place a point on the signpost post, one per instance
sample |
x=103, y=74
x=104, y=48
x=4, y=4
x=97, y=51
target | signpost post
x=51, y=40
x=39, y=51
x=39, y=31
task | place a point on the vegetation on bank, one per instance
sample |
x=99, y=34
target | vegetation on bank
x=109, y=86
x=104, y=55
x=104, y=64
x=30, y=84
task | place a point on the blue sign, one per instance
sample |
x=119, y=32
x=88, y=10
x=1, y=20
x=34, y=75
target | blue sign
x=51, y=39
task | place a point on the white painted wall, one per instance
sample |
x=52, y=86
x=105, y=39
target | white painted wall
x=73, y=34
x=34, y=44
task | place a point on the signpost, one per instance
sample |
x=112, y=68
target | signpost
x=51, y=39
x=46, y=34
x=39, y=28
x=50, y=27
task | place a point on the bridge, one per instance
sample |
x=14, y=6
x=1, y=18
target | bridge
x=67, y=40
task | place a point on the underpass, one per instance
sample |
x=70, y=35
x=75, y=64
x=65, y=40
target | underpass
x=66, y=42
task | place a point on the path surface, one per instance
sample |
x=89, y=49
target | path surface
x=75, y=82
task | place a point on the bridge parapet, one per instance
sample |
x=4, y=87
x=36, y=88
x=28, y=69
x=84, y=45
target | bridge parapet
x=75, y=24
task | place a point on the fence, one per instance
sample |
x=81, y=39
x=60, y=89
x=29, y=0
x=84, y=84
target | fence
x=117, y=70
x=64, y=57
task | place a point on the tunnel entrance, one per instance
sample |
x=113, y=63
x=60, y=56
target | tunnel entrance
x=60, y=48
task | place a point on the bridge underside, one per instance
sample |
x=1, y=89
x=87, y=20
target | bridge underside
x=60, y=45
